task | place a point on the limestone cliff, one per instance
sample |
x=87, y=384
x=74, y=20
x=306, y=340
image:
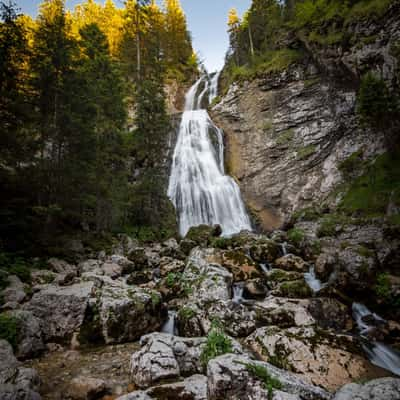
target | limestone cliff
x=288, y=132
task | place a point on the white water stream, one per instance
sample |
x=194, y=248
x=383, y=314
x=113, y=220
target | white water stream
x=198, y=186
x=378, y=353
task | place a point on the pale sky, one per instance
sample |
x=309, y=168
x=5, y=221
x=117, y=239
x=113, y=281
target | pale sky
x=206, y=20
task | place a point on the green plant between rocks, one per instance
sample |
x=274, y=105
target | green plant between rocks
x=9, y=329
x=260, y=372
x=217, y=344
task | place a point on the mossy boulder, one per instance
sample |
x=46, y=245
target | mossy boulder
x=240, y=265
x=277, y=276
x=202, y=234
x=265, y=251
x=294, y=289
x=290, y=262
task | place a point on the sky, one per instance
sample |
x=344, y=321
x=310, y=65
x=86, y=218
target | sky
x=206, y=20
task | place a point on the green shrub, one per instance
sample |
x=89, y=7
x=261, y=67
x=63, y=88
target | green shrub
x=285, y=137
x=331, y=225
x=173, y=279
x=260, y=372
x=296, y=236
x=14, y=265
x=9, y=329
x=186, y=313
x=307, y=214
x=384, y=292
x=217, y=344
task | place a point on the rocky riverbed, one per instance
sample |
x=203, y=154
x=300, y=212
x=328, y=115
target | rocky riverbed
x=246, y=317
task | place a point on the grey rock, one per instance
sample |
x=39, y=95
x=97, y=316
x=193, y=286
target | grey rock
x=112, y=270
x=229, y=378
x=384, y=388
x=14, y=292
x=29, y=337
x=8, y=363
x=86, y=388
x=60, y=309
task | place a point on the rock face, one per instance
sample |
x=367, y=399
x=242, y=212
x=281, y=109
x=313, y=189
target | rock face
x=287, y=133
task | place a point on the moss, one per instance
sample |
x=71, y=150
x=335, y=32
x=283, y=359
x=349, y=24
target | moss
x=365, y=252
x=351, y=164
x=267, y=126
x=328, y=38
x=9, y=329
x=370, y=194
x=260, y=372
x=279, y=275
x=295, y=289
x=221, y=243
x=305, y=152
x=285, y=137
x=384, y=292
x=173, y=279
x=296, y=236
x=316, y=247
x=331, y=225
x=311, y=82
x=306, y=214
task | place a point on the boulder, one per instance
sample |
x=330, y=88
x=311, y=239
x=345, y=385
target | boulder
x=16, y=382
x=113, y=270
x=29, y=334
x=383, y=388
x=61, y=310
x=14, y=292
x=255, y=288
x=290, y=262
x=230, y=378
x=330, y=313
x=320, y=357
x=192, y=388
x=87, y=388
x=293, y=289
x=277, y=276
x=125, y=312
x=240, y=265
x=283, y=312
x=127, y=265
x=164, y=356
x=60, y=266
x=265, y=251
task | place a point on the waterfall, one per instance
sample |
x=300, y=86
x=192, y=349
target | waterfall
x=198, y=186
x=378, y=353
x=238, y=289
x=170, y=326
x=312, y=281
x=213, y=93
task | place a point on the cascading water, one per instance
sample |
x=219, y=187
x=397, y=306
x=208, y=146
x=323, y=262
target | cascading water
x=379, y=353
x=213, y=93
x=198, y=186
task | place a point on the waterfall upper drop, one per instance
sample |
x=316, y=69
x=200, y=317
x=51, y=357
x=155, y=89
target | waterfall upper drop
x=198, y=186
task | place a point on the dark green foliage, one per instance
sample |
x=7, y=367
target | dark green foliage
x=11, y=264
x=352, y=164
x=217, y=344
x=9, y=329
x=296, y=236
x=384, y=291
x=370, y=194
x=260, y=372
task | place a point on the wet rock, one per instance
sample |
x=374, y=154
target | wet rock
x=255, y=288
x=230, y=379
x=202, y=234
x=291, y=262
x=330, y=313
x=87, y=388
x=265, y=251
x=294, y=289
x=277, y=276
x=283, y=312
x=187, y=245
x=325, y=265
x=384, y=388
x=29, y=336
x=240, y=265
x=60, y=309
x=321, y=358
x=14, y=292
x=164, y=356
x=138, y=395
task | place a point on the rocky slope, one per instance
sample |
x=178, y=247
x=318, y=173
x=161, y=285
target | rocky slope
x=242, y=323
x=288, y=133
